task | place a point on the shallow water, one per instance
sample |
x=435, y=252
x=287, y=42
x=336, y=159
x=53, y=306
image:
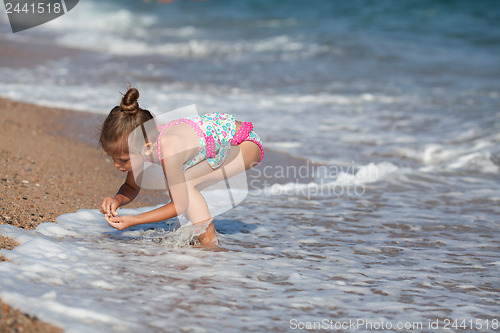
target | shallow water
x=381, y=256
x=391, y=215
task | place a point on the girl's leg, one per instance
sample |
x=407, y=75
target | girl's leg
x=200, y=176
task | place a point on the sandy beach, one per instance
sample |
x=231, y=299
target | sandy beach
x=51, y=165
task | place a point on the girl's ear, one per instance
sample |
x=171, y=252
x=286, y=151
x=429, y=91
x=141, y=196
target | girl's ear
x=148, y=148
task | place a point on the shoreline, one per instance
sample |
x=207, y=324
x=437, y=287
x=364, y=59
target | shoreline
x=50, y=165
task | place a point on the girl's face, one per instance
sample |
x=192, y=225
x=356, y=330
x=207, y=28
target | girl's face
x=122, y=162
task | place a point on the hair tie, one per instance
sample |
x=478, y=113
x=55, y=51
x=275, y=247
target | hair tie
x=130, y=109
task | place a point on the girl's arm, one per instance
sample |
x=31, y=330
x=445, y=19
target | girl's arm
x=156, y=215
x=159, y=214
x=127, y=192
x=173, y=169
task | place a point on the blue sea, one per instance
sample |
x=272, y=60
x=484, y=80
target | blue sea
x=392, y=110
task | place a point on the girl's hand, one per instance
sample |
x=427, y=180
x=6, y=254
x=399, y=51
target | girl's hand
x=108, y=207
x=121, y=222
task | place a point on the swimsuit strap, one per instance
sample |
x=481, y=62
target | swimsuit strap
x=209, y=140
x=159, y=140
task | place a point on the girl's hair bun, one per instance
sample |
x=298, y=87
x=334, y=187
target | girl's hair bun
x=129, y=103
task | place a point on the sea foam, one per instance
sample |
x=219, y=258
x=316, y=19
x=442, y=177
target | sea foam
x=342, y=181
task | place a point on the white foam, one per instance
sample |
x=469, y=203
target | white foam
x=367, y=174
x=77, y=319
x=196, y=48
x=476, y=161
x=437, y=154
x=99, y=18
x=101, y=27
x=344, y=181
x=472, y=155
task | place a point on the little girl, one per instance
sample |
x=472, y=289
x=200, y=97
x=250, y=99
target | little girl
x=194, y=153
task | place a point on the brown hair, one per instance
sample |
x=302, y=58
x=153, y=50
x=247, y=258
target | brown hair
x=121, y=121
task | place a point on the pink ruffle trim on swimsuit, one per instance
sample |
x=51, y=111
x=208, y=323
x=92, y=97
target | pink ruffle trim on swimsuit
x=209, y=146
x=209, y=140
x=242, y=133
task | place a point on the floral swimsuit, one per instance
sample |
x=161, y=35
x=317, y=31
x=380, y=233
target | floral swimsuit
x=216, y=134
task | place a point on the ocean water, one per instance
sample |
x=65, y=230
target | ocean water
x=393, y=108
